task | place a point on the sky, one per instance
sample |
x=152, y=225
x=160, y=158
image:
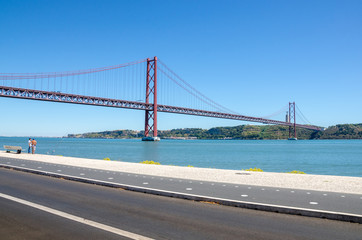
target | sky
x=250, y=56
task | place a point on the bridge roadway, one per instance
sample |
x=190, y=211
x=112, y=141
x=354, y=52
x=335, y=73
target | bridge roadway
x=32, y=94
x=331, y=205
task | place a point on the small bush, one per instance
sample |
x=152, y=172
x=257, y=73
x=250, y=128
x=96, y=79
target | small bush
x=296, y=172
x=107, y=159
x=253, y=170
x=189, y=166
x=150, y=162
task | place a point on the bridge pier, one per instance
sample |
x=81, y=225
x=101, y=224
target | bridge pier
x=290, y=118
x=151, y=90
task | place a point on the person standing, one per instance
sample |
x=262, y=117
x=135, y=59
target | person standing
x=30, y=145
x=33, y=145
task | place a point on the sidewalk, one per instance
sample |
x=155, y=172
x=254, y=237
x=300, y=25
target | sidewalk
x=340, y=184
x=332, y=197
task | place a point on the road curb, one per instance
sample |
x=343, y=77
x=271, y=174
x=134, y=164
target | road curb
x=347, y=217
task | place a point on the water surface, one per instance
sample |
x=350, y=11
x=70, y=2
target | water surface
x=328, y=157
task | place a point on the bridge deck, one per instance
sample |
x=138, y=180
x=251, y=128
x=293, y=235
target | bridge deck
x=107, y=102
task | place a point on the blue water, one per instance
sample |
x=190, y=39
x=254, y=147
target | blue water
x=326, y=157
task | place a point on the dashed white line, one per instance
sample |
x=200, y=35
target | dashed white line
x=76, y=218
x=110, y=178
x=188, y=189
x=313, y=203
x=244, y=195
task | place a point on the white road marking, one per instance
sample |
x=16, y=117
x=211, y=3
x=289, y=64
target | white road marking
x=292, y=191
x=244, y=195
x=308, y=193
x=188, y=189
x=39, y=167
x=325, y=194
x=82, y=174
x=145, y=183
x=313, y=203
x=76, y=218
x=110, y=178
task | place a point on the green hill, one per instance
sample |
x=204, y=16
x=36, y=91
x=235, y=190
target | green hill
x=243, y=132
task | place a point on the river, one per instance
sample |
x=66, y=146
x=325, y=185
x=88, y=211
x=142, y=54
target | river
x=325, y=157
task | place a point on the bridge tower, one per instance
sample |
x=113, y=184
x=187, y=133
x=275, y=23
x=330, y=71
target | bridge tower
x=151, y=91
x=291, y=119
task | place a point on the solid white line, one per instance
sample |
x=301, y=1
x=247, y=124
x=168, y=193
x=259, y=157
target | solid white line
x=77, y=219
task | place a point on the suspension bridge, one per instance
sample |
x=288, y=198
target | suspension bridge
x=147, y=85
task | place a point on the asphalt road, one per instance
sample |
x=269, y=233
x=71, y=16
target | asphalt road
x=144, y=214
x=329, y=205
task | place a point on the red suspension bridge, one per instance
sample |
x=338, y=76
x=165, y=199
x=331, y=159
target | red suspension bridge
x=147, y=85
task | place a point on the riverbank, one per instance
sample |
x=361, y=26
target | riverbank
x=311, y=182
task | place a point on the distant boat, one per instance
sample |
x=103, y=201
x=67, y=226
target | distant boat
x=292, y=139
x=151, y=139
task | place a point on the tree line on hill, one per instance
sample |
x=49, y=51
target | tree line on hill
x=242, y=132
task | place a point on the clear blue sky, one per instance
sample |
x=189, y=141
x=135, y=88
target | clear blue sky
x=250, y=56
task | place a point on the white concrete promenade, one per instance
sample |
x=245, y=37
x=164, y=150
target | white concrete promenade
x=327, y=183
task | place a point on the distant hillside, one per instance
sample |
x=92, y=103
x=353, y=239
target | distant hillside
x=244, y=132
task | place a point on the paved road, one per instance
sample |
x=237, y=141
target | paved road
x=310, y=203
x=144, y=214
